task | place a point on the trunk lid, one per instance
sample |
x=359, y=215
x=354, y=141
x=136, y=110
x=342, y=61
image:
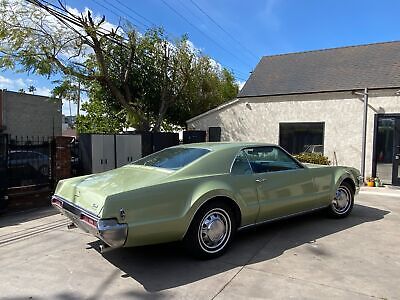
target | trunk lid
x=90, y=192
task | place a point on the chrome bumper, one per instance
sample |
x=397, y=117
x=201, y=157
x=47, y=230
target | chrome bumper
x=109, y=231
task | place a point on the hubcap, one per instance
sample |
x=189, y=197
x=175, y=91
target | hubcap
x=214, y=230
x=342, y=200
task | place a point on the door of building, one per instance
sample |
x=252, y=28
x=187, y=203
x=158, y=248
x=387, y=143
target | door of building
x=396, y=153
x=387, y=149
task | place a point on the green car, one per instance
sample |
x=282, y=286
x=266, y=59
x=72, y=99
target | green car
x=202, y=194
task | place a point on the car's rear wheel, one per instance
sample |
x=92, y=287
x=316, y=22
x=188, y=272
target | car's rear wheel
x=343, y=201
x=211, y=230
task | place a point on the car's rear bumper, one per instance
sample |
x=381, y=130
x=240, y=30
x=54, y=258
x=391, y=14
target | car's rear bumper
x=109, y=231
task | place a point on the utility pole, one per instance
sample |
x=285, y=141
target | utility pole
x=78, y=107
x=364, y=132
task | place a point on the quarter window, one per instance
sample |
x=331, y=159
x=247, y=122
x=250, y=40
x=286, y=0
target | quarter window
x=270, y=159
x=241, y=165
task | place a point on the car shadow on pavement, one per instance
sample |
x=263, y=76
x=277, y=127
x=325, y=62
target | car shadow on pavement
x=15, y=218
x=166, y=266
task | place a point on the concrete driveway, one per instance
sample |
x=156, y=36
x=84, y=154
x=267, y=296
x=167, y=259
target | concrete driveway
x=306, y=257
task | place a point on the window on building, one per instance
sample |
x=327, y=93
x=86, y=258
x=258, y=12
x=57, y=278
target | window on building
x=302, y=137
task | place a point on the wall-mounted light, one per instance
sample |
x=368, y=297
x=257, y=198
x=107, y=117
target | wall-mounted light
x=248, y=105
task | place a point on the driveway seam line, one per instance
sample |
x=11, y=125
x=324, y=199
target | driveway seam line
x=244, y=265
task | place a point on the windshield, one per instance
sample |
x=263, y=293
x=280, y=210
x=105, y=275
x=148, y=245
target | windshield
x=172, y=158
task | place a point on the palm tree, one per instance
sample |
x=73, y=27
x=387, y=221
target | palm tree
x=32, y=89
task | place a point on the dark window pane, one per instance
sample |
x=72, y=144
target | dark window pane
x=302, y=137
x=241, y=165
x=172, y=158
x=384, y=149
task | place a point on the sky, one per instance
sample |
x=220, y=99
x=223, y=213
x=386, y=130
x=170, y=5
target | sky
x=238, y=33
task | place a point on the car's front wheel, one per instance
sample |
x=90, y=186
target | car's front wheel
x=343, y=201
x=211, y=230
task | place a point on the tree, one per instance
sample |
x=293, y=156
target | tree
x=101, y=116
x=32, y=89
x=145, y=77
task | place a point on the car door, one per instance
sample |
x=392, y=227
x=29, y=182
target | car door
x=245, y=188
x=284, y=187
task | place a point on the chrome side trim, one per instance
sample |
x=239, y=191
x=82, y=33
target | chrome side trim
x=281, y=218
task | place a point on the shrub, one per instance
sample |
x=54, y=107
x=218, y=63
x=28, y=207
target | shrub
x=312, y=158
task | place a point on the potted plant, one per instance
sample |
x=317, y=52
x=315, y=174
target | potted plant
x=370, y=181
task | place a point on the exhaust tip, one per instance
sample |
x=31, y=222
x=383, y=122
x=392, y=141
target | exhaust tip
x=71, y=226
x=104, y=248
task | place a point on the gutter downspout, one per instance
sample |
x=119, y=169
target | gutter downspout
x=364, y=132
x=1, y=109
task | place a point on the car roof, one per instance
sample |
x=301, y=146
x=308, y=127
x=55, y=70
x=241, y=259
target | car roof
x=224, y=145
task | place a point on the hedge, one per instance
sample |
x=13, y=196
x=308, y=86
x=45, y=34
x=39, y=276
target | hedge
x=312, y=158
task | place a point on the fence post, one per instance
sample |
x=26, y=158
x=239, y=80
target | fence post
x=52, y=172
x=3, y=171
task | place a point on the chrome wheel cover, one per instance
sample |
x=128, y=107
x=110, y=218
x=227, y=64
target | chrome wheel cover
x=214, y=230
x=342, y=200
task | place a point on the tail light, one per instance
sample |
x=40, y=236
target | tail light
x=88, y=220
x=56, y=202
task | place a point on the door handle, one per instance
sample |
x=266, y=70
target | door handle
x=397, y=156
x=259, y=180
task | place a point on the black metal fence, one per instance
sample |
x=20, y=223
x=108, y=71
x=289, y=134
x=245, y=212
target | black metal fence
x=29, y=161
x=3, y=169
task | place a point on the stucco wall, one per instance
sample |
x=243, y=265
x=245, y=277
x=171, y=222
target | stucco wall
x=258, y=118
x=31, y=115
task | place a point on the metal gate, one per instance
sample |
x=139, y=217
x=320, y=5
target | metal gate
x=29, y=161
x=3, y=170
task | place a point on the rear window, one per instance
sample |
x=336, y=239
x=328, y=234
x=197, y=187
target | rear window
x=172, y=158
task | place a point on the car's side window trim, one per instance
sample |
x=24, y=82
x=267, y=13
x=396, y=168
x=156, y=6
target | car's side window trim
x=300, y=166
x=234, y=160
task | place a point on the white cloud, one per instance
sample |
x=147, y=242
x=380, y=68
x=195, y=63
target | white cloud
x=241, y=84
x=23, y=83
x=43, y=91
x=14, y=84
x=269, y=15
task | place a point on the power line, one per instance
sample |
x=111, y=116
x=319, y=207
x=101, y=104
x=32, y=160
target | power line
x=144, y=26
x=67, y=20
x=204, y=34
x=220, y=27
x=136, y=13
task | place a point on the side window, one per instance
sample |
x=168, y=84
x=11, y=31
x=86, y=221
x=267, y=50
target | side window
x=241, y=165
x=270, y=159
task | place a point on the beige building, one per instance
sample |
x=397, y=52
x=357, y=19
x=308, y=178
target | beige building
x=310, y=101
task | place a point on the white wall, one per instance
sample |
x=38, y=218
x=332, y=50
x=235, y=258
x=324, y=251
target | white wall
x=257, y=119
